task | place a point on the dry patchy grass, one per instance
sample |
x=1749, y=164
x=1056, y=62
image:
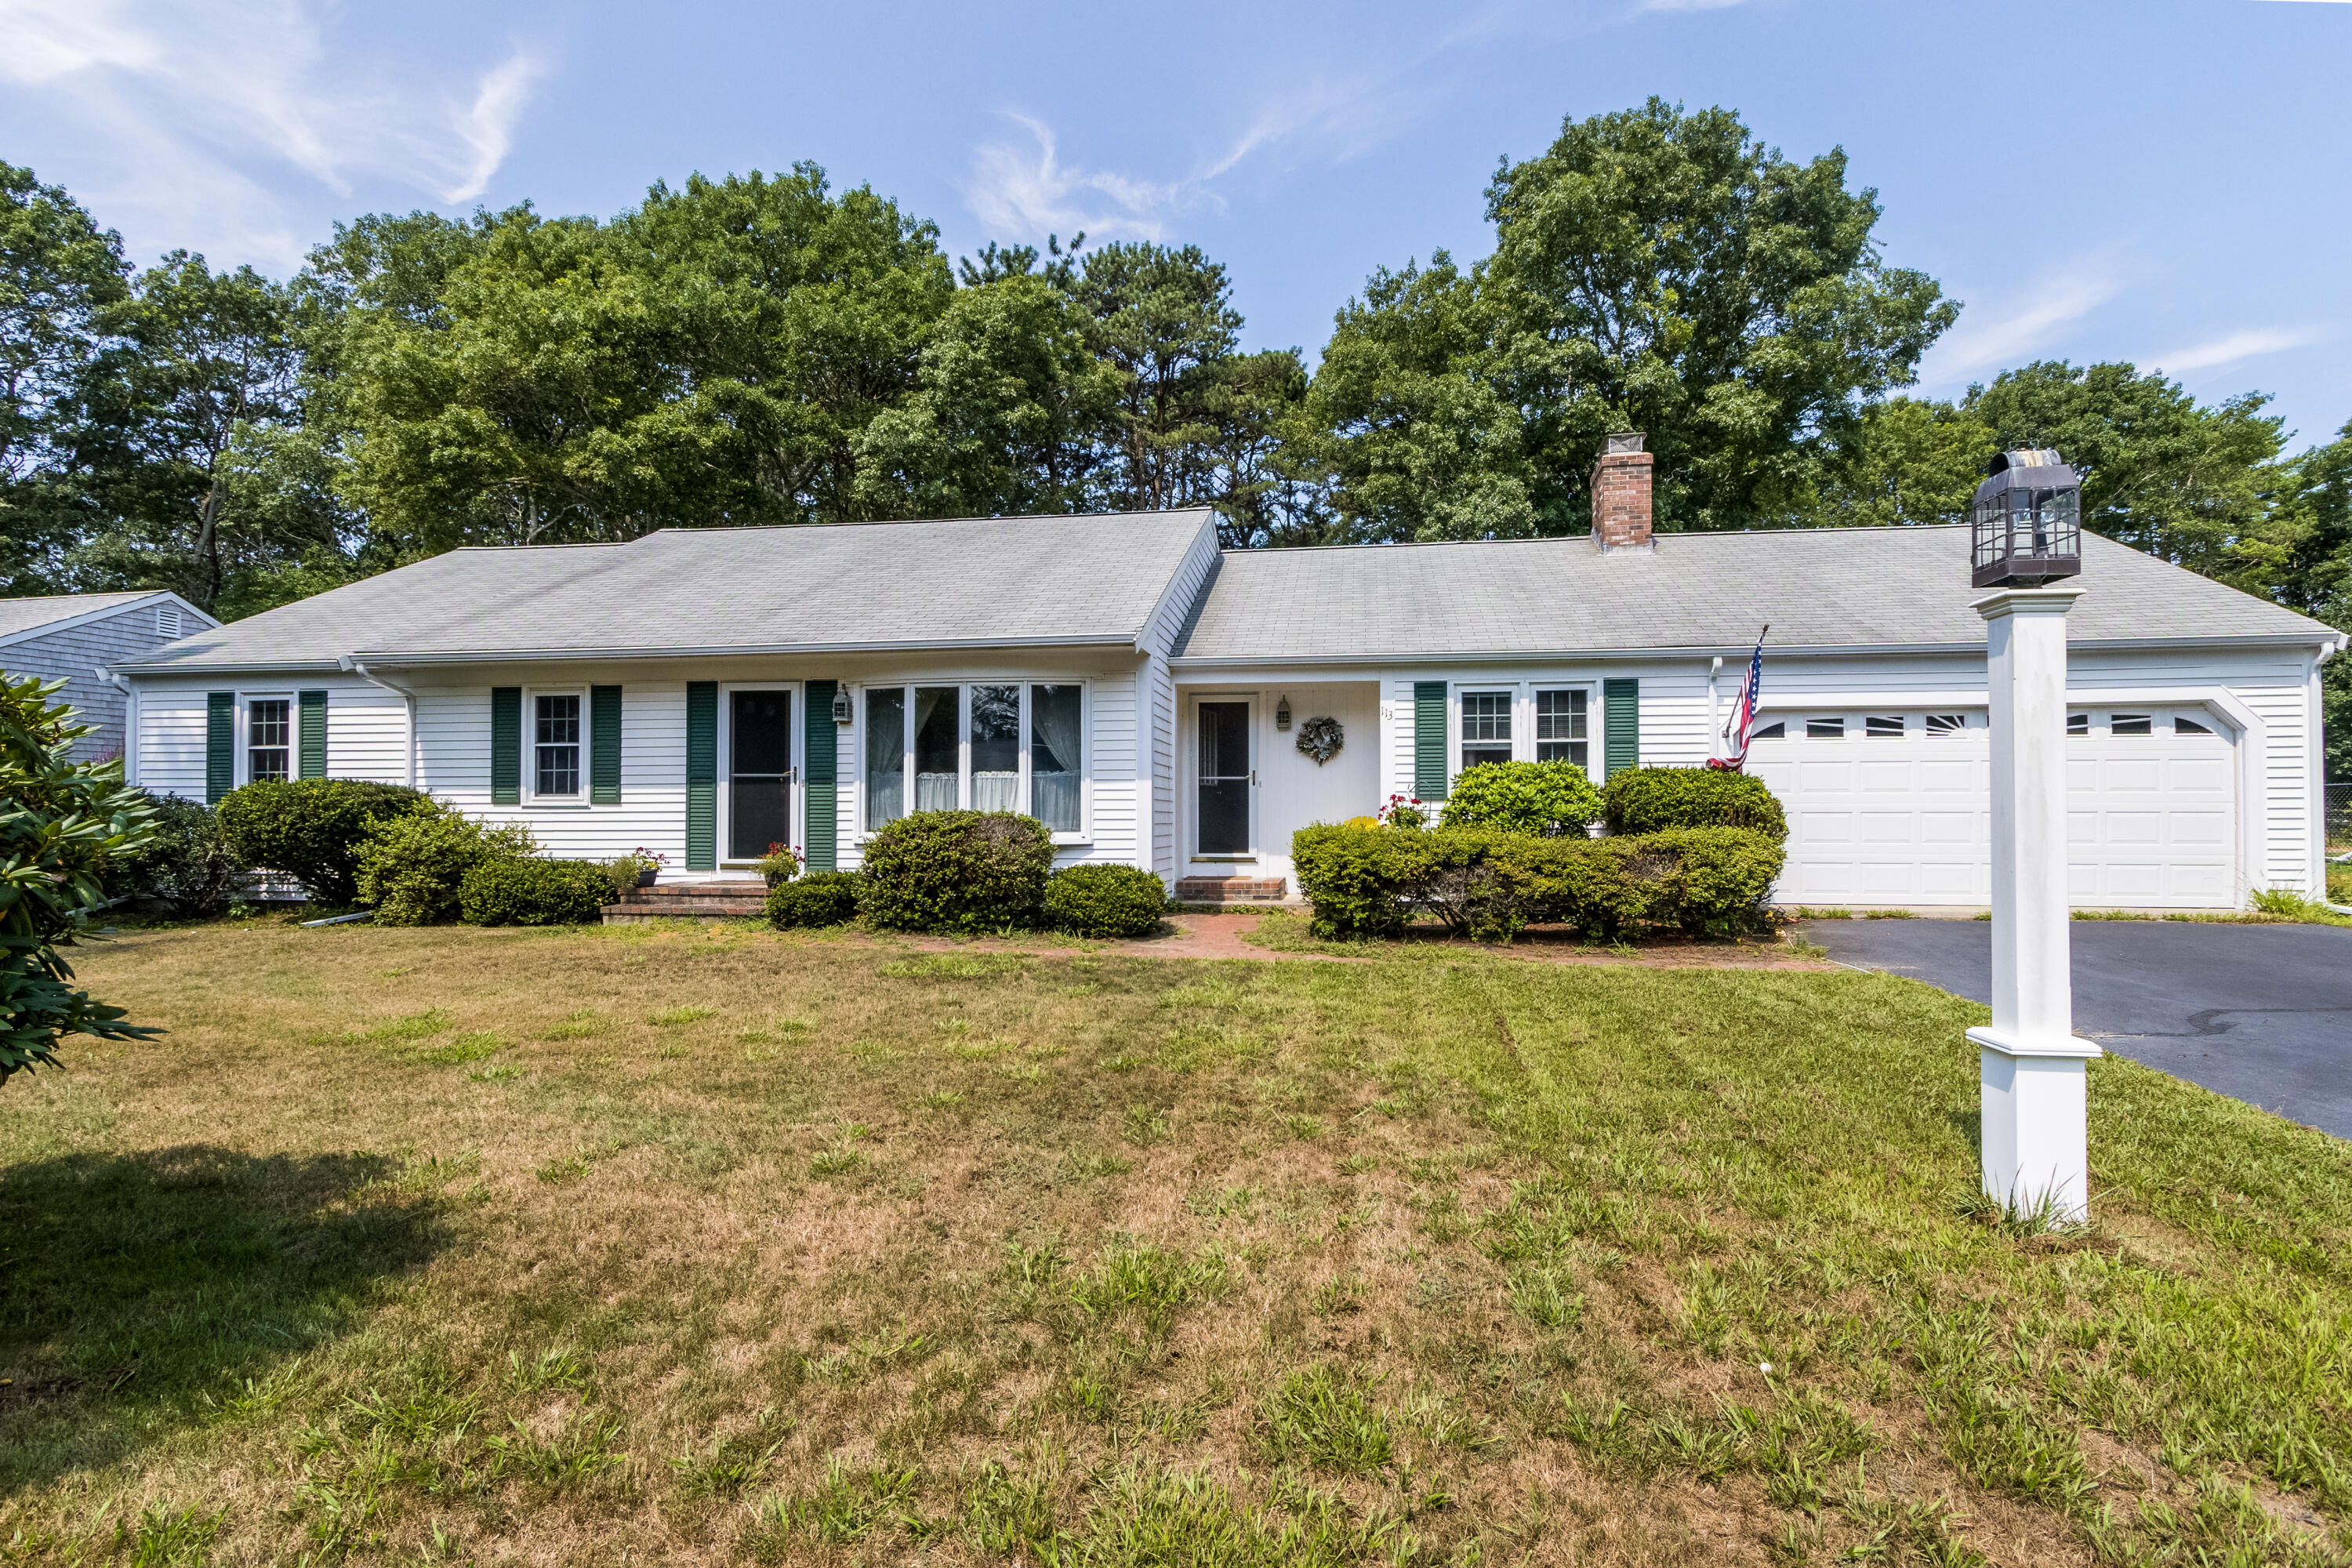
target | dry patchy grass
x=705, y=1247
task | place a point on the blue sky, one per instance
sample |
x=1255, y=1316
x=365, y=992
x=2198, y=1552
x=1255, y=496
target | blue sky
x=2170, y=184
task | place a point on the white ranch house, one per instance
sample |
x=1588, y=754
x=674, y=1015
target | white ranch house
x=703, y=694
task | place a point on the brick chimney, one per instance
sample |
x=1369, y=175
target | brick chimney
x=1621, y=493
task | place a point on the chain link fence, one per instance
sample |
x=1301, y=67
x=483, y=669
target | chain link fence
x=2338, y=827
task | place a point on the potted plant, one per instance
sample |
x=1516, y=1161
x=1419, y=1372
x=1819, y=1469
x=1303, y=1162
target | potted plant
x=780, y=864
x=648, y=864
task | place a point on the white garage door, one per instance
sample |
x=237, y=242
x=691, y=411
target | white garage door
x=1890, y=807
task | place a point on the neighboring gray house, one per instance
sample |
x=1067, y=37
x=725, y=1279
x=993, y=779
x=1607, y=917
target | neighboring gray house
x=74, y=635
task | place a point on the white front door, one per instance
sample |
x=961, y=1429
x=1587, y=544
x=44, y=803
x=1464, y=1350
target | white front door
x=1894, y=807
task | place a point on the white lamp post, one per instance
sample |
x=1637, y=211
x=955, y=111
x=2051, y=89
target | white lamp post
x=2030, y=1063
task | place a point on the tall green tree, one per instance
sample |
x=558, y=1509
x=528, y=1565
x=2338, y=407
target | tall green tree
x=59, y=274
x=1906, y=460
x=196, y=385
x=1408, y=420
x=714, y=356
x=1655, y=270
x=1196, y=421
x=1013, y=414
x=1667, y=272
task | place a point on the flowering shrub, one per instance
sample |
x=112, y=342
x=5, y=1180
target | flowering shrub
x=1403, y=811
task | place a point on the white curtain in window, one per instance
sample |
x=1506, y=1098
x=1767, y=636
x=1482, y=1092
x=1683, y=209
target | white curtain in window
x=1054, y=756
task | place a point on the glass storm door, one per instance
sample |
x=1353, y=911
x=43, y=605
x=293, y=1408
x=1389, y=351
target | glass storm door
x=759, y=772
x=1224, y=778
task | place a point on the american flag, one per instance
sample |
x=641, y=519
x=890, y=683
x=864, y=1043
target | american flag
x=1743, y=712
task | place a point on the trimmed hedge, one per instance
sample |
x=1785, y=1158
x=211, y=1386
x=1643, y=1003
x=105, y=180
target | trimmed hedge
x=1490, y=886
x=957, y=871
x=1646, y=800
x=1547, y=799
x=502, y=892
x=816, y=899
x=1106, y=901
x=412, y=868
x=311, y=829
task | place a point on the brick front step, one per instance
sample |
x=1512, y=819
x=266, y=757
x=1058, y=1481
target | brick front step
x=1231, y=890
x=688, y=901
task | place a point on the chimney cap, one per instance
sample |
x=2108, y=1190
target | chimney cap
x=1623, y=441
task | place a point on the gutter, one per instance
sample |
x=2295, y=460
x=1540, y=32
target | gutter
x=129, y=721
x=1740, y=651
x=408, y=700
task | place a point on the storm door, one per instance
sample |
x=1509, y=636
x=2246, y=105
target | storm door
x=1225, y=778
x=759, y=772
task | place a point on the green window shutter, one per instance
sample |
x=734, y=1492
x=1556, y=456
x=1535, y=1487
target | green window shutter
x=220, y=744
x=1621, y=708
x=702, y=775
x=603, y=745
x=313, y=760
x=819, y=803
x=506, y=745
x=1429, y=739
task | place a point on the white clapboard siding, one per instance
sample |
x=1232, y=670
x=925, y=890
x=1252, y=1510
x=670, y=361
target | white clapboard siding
x=453, y=730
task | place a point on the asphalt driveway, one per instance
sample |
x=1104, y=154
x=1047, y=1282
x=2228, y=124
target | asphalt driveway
x=2263, y=1012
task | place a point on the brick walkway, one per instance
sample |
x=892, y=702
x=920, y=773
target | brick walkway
x=1219, y=936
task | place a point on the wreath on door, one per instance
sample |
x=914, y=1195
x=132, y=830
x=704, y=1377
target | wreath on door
x=1321, y=739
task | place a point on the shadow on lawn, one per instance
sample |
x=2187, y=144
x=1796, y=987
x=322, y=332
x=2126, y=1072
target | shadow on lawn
x=132, y=1285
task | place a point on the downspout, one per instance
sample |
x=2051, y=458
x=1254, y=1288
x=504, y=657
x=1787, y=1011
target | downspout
x=408, y=701
x=130, y=722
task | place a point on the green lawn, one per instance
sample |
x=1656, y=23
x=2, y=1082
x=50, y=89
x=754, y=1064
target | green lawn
x=705, y=1247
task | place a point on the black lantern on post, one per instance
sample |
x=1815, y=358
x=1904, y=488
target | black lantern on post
x=2028, y=522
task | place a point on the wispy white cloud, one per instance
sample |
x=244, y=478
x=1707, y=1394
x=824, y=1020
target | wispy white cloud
x=2013, y=331
x=1017, y=191
x=1019, y=187
x=198, y=107
x=2229, y=350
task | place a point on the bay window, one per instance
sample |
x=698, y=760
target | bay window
x=988, y=746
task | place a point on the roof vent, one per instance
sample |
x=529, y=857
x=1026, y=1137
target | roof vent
x=167, y=622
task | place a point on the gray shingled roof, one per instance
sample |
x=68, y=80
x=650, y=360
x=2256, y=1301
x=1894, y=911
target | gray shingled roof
x=873, y=585
x=24, y=614
x=1819, y=588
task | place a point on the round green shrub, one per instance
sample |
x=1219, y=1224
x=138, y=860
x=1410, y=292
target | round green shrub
x=186, y=866
x=412, y=868
x=310, y=829
x=1545, y=799
x=1106, y=901
x=503, y=892
x=1649, y=800
x=957, y=871
x=817, y=898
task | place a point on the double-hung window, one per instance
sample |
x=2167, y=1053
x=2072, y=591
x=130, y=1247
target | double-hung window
x=1485, y=727
x=988, y=746
x=555, y=744
x=269, y=738
x=1561, y=720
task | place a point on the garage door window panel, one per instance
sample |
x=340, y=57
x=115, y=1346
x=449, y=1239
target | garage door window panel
x=1882, y=727
x=1825, y=728
x=2131, y=724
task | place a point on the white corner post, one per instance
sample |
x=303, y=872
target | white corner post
x=2030, y=1064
